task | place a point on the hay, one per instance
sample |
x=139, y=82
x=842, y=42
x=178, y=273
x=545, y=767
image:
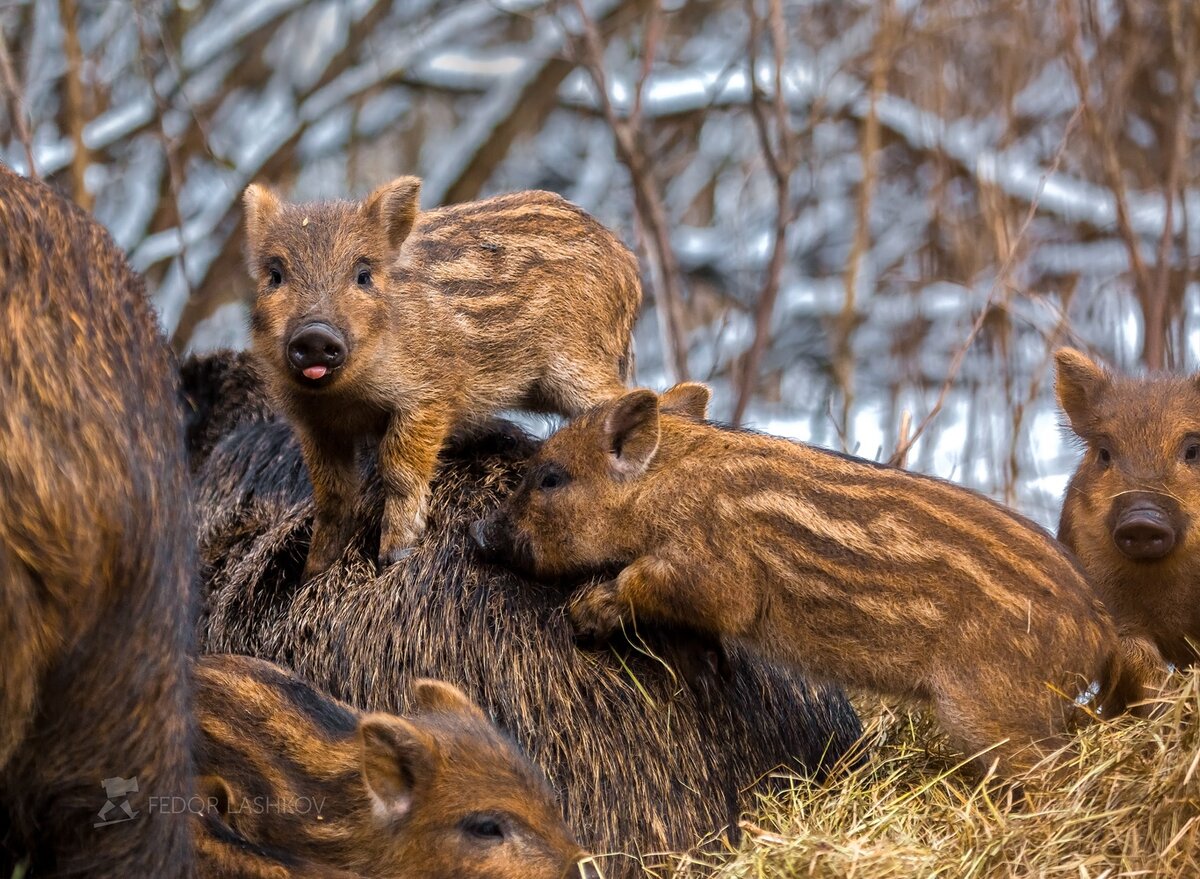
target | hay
x=1122, y=801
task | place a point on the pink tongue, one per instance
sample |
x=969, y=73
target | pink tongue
x=315, y=372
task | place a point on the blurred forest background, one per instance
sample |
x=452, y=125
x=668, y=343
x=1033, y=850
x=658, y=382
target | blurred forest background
x=867, y=223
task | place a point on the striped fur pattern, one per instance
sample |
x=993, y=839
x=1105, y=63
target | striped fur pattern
x=438, y=795
x=1141, y=458
x=642, y=762
x=857, y=573
x=447, y=316
x=96, y=559
x=222, y=853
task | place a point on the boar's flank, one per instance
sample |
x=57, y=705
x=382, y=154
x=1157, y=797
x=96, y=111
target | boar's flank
x=95, y=554
x=641, y=763
x=1130, y=509
x=378, y=326
x=857, y=573
x=438, y=795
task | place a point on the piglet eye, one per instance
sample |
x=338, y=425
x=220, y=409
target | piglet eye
x=274, y=276
x=1105, y=456
x=552, y=479
x=364, y=277
x=1191, y=454
x=483, y=827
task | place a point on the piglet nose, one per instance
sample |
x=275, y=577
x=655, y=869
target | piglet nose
x=1144, y=533
x=316, y=348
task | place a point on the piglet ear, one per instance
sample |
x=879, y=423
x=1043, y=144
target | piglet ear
x=440, y=697
x=1080, y=384
x=631, y=432
x=689, y=399
x=398, y=761
x=215, y=794
x=262, y=206
x=393, y=208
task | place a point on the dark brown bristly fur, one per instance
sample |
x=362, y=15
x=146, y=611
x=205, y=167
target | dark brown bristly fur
x=437, y=795
x=430, y=323
x=1130, y=508
x=857, y=573
x=96, y=557
x=642, y=762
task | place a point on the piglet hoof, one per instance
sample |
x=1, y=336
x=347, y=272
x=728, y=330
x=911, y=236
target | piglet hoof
x=321, y=557
x=597, y=612
x=394, y=556
x=397, y=544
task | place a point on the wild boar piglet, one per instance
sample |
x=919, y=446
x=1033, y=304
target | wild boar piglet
x=441, y=794
x=857, y=573
x=1131, y=506
x=378, y=325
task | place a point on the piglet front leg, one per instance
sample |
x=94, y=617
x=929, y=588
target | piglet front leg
x=407, y=461
x=642, y=592
x=333, y=469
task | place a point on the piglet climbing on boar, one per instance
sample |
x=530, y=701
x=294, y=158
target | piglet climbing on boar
x=857, y=573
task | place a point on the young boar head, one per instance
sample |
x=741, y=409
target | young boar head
x=452, y=797
x=568, y=515
x=441, y=794
x=320, y=270
x=1138, y=485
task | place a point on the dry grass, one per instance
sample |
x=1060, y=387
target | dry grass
x=1127, y=804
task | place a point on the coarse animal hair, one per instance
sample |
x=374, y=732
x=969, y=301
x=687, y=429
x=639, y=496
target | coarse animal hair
x=643, y=762
x=96, y=554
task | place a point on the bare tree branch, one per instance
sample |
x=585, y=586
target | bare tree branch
x=1000, y=284
x=1183, y=50
x=780, y=158
x=15, y=104
x=648, y=201
x=843, y=352
x=1115, y=178
x=73, y=102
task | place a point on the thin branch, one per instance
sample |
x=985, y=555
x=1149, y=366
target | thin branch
x=1109, y=160
x=648, y=201
x=1001, y=283
x=73, y=108
x=1156, y=318
x=843, y=359
x=780, y=158
x=170, y=153
x=15, y=104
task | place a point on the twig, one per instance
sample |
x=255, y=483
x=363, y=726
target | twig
x=843, y=360
x=73, y=102
x=174, y=172
x=1001, y=282
x=902, y=434
x=16, y=105
x=647, y=199
x=781, y=161
x=1152, y=344
x=1060, y=331
x=1185, y=56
